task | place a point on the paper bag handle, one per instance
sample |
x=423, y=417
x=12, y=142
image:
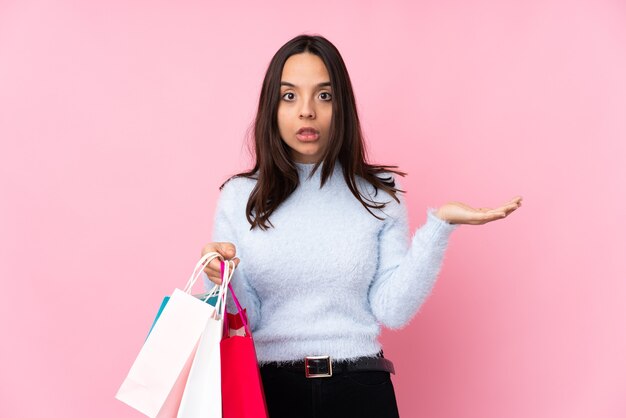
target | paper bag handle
x=197, y=271
x=239, y=309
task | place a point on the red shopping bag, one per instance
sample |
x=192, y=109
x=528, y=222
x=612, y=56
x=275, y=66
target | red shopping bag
x=242, y=387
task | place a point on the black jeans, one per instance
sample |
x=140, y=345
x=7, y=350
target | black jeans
x=359, y=394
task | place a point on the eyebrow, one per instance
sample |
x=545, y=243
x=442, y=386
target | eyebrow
x=286, y=83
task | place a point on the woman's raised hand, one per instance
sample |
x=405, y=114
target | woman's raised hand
x=227, y=250
x=460, y=213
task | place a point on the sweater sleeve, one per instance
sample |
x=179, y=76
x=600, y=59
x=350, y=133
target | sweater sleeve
x=407, y=269
x=224, y=231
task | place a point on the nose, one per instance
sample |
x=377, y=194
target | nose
x=307, y=110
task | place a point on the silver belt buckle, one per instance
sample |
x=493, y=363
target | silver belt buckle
x=308, y=364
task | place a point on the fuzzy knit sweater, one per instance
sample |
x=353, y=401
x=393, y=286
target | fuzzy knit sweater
x=328, y=275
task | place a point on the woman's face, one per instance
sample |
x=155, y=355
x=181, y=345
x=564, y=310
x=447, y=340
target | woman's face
x=305, y=108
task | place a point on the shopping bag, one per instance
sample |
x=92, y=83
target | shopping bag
x=242, y=387
x=202, y=397
x=236, y=323
x=154, y=385
x=163, y=303
x=208, y=297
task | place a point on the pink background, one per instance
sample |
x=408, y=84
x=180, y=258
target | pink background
x=119, y=121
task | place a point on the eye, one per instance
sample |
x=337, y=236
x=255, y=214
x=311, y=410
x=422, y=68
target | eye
x=328, y=97
x=290, y=98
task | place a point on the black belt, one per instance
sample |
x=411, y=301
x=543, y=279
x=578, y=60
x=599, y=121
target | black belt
x=325, y=366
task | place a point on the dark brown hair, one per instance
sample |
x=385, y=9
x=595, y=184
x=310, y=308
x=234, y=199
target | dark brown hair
x=275, y=172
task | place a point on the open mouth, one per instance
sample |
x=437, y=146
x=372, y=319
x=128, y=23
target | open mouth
x=307, y=135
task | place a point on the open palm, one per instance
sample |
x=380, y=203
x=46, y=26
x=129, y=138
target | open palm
x=460, y=213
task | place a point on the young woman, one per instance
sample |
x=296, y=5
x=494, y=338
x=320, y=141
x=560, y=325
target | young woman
x=324, y=241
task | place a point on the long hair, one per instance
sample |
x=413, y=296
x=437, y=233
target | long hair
x=275, y=172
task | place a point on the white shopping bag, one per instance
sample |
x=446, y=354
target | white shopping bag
x=155, y=383
x=202, y=397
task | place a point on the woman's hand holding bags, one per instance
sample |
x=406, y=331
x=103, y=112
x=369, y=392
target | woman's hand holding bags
x=202, y=397
x=159, y=375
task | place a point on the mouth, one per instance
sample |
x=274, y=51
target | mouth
x=307, y=134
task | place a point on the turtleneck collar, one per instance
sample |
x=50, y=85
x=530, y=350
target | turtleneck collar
x=305, y=169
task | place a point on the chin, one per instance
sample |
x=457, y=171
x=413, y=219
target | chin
x=308, y=153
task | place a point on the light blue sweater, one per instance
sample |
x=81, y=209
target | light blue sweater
x=329, y=274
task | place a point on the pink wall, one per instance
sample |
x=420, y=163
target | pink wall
x=118, y=122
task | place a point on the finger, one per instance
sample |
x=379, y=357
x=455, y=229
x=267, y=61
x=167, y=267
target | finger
x=232, y=265
x=507, y=208
x=516, y=199
x=209, y=248
x=214, y=268
x=226, y=249
x=217, y=279
x=503, y=211
x=215, y=275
